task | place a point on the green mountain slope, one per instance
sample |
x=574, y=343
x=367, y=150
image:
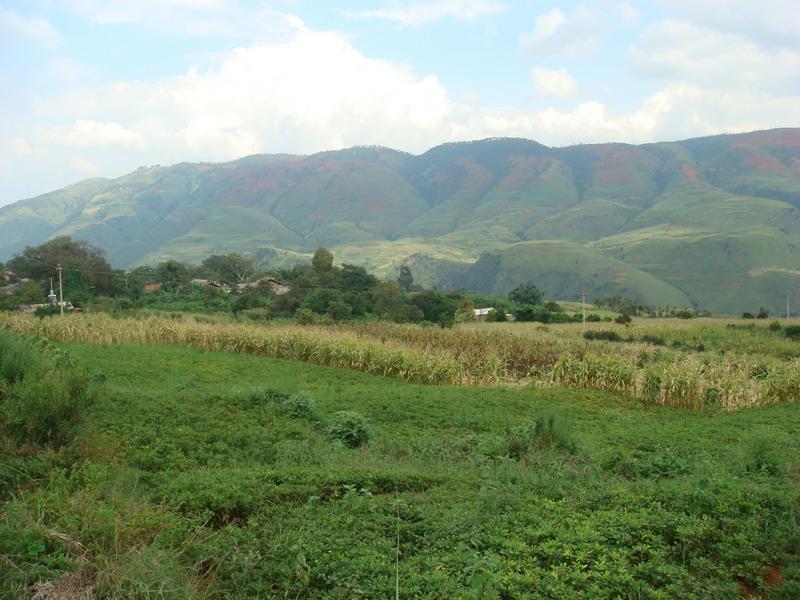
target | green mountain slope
x=563, y=270
x=712, y=221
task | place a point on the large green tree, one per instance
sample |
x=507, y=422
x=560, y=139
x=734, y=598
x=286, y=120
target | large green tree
x=85, y=271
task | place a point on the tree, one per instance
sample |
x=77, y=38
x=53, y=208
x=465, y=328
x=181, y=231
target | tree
x=526, y=294
x=229, y=267
x=436, y=307
x=338, y=310
x=355, y=279
x=172, y=273
x=322, y=262
x=389, y=302
x=85, y=270
x=405, y=279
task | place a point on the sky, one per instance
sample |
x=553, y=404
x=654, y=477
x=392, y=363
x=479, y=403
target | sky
x=97, y=88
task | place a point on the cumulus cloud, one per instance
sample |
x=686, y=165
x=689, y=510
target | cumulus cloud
x=553, y=82
x=680, y=50
x=34, y=28
x=421, y=13
x=310, y=92
x=86, y=133
x=556, y=33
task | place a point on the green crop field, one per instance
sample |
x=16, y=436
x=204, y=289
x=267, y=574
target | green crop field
x=155, y=470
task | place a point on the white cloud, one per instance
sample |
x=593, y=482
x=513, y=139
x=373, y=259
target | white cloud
x=553, y=82
x=36, y=29
x=682, y=51
x=87, y=133
x=580, y=32
x=421, y=13
x=557, y=34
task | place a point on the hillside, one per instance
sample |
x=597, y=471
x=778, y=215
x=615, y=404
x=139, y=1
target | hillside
x=713, y=222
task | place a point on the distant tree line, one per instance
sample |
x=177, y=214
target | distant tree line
x=317, y=292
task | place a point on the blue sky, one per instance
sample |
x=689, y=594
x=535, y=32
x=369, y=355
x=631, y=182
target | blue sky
x=99, y=87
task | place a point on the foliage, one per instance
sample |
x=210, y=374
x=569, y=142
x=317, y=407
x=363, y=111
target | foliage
x=43, y=393
x=405, y=279
x=350, y=428
x=85, y=269
x=526, y=294
x=436, y=307
x=602, y=334
x=180, y=487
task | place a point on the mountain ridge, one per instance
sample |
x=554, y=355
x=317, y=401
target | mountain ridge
x=376, y=206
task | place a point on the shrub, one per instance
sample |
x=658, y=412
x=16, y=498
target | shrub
x=43, y=409
x=338, y=310
x=306, y=316
x=775, y=326
x=546, y=431
x=47, y=311
x=792, y=332
x=17, y=357
x=748, y=315
x=350, y=428
x=607, y=335
x=623, y=319
x=761, y=458
x=301, y=406
x=264, y=397
x=44, y=397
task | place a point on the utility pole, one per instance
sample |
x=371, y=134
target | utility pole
x=60, y=290
x=583, y=304
x=788, y=293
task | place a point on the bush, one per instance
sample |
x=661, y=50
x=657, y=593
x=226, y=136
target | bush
x=792, y=332
x=546, y=431
x=301, y=406
x=775, y=326
x=17, y=357
x=748, y=315
x=339, y=310
x=623, y=319
x=47, y=311
x=350, y=428
x=607, y=335
x=44, y=397
x=43, y=409
x=306, y=316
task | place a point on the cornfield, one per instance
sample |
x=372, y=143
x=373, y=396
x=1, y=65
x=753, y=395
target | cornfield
x=466, y=356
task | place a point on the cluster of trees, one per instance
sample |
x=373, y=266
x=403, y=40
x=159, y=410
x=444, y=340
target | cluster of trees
x=526, y=303
x=319, y=291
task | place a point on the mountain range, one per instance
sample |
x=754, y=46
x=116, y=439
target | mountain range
x=712, y=222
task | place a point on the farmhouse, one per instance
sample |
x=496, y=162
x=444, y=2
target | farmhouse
x=276, y=285
x=480, y=314
x=208, y=284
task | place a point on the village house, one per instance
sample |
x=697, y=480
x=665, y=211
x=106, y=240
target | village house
x=278, y=287
x=479, y=314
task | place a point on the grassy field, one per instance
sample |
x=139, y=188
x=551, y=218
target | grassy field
x=705, y=364
x=216, y=475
